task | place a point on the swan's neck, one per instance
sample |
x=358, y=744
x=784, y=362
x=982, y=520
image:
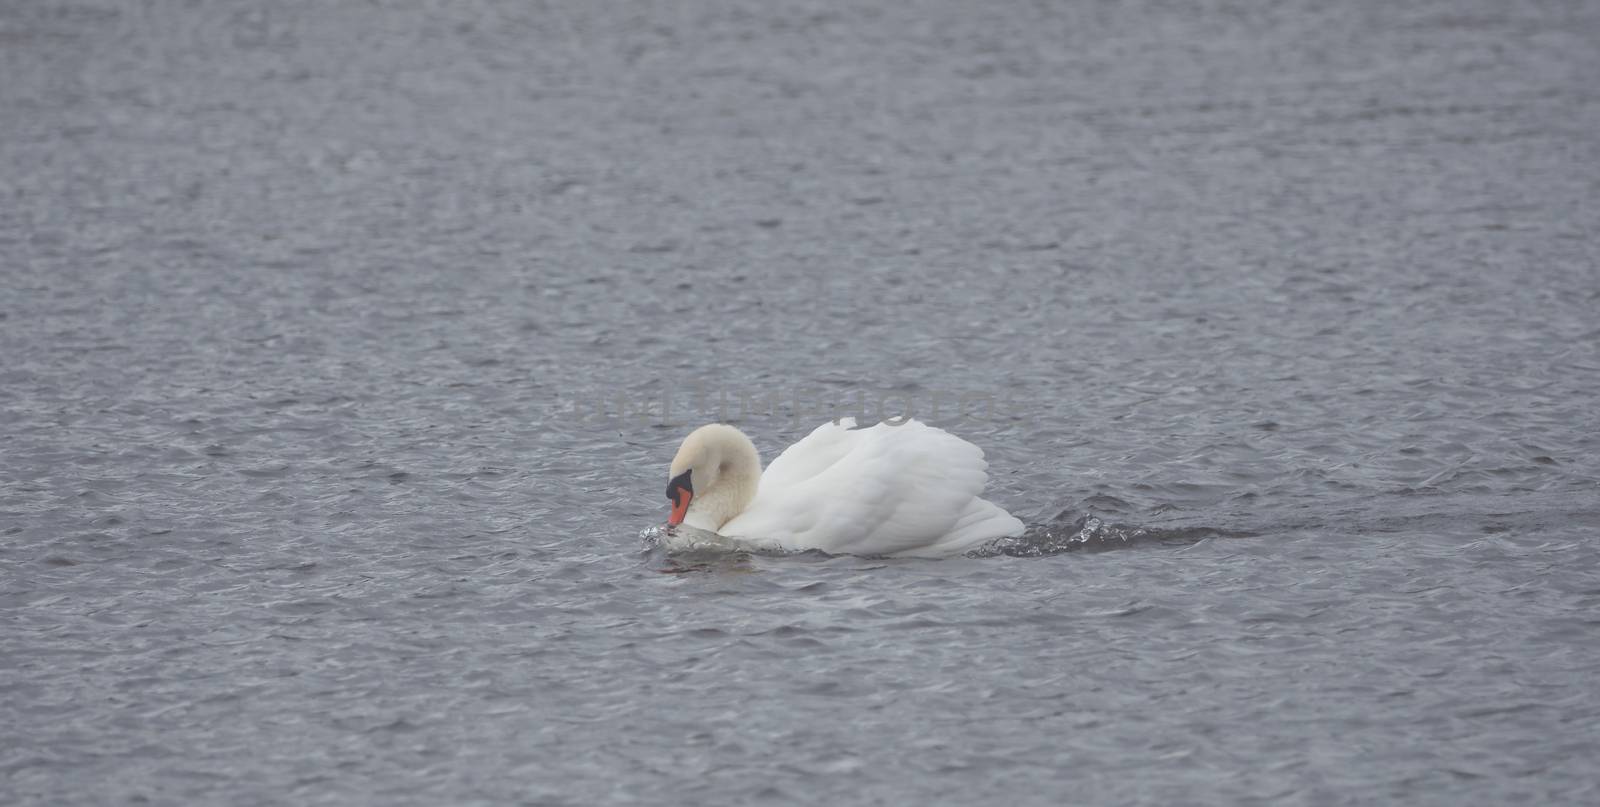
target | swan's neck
x=730, y=494
x=718, y=506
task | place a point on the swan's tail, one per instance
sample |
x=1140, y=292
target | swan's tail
x=981, y=522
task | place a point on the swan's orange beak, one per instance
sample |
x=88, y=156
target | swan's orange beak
x=680, y=508
x=679, y=492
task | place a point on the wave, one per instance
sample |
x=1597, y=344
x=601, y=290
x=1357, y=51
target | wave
x=1071, y=532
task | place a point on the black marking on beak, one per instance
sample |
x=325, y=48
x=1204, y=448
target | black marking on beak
x=681, y=481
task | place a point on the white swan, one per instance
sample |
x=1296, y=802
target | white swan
x=909, y=490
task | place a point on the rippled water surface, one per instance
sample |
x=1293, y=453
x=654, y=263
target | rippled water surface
x=325, y=331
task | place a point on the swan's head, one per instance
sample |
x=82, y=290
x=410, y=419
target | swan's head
x=713, y=477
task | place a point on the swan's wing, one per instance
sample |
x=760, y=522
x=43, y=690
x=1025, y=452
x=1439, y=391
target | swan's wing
x=811, y=455
x=906, y=489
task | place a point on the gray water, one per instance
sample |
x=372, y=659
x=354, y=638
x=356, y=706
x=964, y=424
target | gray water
x=325, y=330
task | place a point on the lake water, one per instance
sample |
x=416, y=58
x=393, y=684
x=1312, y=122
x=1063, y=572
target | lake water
x=334, y=340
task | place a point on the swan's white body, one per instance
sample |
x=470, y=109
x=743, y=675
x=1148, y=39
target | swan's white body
x=909, y=490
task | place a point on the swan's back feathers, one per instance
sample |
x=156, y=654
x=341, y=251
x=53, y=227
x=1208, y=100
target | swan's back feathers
x=811, y=455
x=908, y=489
